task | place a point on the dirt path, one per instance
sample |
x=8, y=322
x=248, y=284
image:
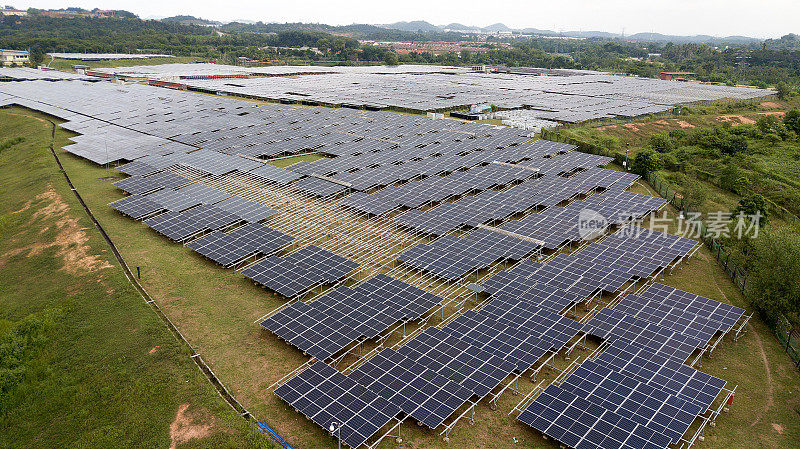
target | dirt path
x=770, y=384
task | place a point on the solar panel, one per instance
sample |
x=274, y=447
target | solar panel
x=319, y=187
x=145, y=184
x=247, y=241
x=327, y=397
x=640, y=402
x=282, y=276
x=137, y=206
x=465, y=364
x=507, y=343
x=724, y=314
x=327, y=325
x=245, y=209
x=275, y=174
x=614, y=324
x=179, y=226
x=325, y=264
x=425, y=395
x=581, y=424
x=645, y=365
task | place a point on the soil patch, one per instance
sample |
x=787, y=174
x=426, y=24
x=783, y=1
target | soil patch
x=70, y=240
x=734, y=119
x=189, y=425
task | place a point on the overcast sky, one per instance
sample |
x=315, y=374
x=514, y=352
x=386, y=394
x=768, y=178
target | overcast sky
x=755, y=18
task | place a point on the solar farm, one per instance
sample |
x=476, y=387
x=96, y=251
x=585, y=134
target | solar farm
x=565, y=96
x=426, y=269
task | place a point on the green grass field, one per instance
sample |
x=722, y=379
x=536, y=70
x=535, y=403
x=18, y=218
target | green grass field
x=66, y=64
x=84, y=362
x=216, y=310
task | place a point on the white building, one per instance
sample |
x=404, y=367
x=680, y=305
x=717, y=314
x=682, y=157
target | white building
x=12, y=12
x=9, y=57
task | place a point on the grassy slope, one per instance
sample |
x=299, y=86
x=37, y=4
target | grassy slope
x=66, y=64
x=110, y=373
x=216, y=309
x=769, y=159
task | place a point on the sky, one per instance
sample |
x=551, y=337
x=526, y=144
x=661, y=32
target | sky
x=754, y=18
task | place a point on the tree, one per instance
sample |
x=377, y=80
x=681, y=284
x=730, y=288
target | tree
x=751, y=205
x=390, y=58
x=645, y=162
x=773, y=272
x=782, y=90
x=35, y=57
x=792, y=121
x=661, y=142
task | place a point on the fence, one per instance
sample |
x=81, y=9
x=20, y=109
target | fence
x=782, y=328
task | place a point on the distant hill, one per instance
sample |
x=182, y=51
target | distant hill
x=460, y=27
x=190, y=20
x=417, y=26
x=414, y=26
x=496, y=27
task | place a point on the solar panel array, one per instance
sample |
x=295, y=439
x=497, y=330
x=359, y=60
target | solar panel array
x=451, y=257
x=211, y=134
x=296, y=273
x=637, y=393
x=605, y=265
x=436, y=188
x=493, y=205
x=569, y=95
x=328, y=324
x=423, y=394
x=327, y=397
x=146, y=184
x=179, y=226
x=246, y=241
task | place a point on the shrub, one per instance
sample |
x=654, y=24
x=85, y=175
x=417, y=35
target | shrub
x=733, y=179
x=645, y=162
x=772, y=138
x=773, y=272
x=769, y=124
x=792, y=121
x=752, y=204
x=718, y=140
x=678, y=134
x=671, y=162
x=661, y=142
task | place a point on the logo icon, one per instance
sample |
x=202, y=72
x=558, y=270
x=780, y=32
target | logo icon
x=591, y=224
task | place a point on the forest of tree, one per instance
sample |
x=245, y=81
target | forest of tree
x=763, y=64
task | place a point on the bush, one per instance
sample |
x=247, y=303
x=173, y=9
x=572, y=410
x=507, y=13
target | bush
x=772, y=138
x=645, y=162
x=783, y=90
x=751, y=205
x=671, y=162
x=733, y=179
x=774, y=271
x=718, y=140
x=792, y=121
x=695, y=194
x=661, y=142
x=606, y=142
x=769, y=124
x=748, y=130
x=678, y=134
